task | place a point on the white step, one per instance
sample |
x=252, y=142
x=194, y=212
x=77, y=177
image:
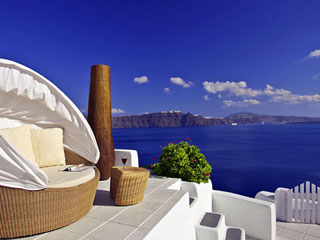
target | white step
x=211, y=226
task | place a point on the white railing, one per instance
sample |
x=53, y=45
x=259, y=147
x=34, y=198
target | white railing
x=299, y=204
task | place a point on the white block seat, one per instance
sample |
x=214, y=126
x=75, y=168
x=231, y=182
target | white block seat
x=213, y=220
x=234, y=233
x=212, y=227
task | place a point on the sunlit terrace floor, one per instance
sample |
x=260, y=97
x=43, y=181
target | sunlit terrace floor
x=297, y=231
x=107, y=221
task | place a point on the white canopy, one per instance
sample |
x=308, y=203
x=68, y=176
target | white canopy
x=27, y=98
x=18, y=172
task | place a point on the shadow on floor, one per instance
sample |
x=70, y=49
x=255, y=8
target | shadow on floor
x=103, y=198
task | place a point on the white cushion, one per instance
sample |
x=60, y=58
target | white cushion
x=20, y=138
x=61, y=179
x=47, y=146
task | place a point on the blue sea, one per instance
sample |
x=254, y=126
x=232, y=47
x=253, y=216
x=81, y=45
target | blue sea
x=245, y=158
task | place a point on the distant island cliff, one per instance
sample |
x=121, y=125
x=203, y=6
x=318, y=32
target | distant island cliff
x=180, y=119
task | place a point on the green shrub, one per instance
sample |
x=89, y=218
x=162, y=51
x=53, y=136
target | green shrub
x=183, y=161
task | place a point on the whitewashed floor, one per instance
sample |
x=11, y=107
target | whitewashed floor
x=107, y=221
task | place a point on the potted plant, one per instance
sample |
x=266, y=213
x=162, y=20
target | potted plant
x=185, y=161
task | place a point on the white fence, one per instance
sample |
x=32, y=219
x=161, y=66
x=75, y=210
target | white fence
x=299, y=204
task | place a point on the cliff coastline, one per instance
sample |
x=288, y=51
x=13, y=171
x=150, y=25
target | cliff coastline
x=180, y=119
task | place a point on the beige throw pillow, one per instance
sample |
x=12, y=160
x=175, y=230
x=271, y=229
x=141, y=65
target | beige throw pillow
x=48, y=146
x=20, y=138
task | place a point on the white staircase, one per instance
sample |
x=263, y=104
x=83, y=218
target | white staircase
x=212, y=227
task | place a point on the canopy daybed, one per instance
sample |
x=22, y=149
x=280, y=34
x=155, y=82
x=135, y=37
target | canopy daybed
x=32, y=199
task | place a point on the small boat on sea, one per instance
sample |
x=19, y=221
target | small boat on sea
x=234, y=124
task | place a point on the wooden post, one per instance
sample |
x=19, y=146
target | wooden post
x=99, y=117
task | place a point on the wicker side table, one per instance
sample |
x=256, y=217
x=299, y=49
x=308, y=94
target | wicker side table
x=128, y=185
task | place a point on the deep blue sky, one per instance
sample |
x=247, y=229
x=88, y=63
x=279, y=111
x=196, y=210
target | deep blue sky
x=204, y=42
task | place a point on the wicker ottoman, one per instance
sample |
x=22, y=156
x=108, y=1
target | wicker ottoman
x=128, y=185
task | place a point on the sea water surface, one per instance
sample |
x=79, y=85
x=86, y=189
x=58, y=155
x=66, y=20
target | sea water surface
x=245, y=158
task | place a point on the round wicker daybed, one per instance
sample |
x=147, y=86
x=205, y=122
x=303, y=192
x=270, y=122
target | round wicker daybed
x=24, y=213
x=27, y=98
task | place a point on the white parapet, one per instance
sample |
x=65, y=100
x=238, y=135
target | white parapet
x=132, y=155
x=170, y=225
x=266, y=196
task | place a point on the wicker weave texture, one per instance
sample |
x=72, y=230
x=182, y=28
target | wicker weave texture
x=24, y=213
x=128, y=186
